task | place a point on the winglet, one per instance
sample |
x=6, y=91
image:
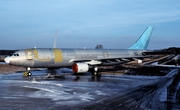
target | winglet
x=144, y=39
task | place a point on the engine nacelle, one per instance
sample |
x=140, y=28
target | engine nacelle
x=80, y=67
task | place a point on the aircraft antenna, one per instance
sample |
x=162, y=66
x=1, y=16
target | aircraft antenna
x=55, y=39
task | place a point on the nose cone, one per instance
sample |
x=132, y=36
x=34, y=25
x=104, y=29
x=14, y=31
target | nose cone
x=7, y=59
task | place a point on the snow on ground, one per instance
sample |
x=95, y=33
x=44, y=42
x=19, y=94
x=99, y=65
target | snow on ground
x=71, y=92
x=83, y=90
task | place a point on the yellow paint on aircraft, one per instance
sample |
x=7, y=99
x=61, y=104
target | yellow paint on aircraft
x=35, y=54
x=57, y=55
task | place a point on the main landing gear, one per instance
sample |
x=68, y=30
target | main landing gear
x=96, y=73
x=27, y=73
x=96, y=76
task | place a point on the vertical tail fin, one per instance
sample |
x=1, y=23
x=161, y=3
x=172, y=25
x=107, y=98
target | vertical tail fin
x=143, y=40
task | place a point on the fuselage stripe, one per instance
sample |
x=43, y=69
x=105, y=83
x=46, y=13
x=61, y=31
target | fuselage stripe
x=35, y=54
x=57, y=55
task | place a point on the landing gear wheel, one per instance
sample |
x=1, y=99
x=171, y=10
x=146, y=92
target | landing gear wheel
x=96, y=76
x=96, y=73
x=30, y=73
x=27, y=73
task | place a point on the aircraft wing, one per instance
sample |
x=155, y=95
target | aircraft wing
x=156, y=53
x=161, y=65
x=107, y=61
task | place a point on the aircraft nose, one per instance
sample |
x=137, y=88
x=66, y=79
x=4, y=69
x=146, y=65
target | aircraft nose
x=7, y=59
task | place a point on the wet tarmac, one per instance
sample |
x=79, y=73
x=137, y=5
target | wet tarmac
x=83, y=92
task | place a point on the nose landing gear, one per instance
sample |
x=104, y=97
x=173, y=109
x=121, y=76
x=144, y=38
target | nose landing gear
x=27, y=73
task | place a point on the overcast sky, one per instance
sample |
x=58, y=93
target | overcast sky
x=85, y=23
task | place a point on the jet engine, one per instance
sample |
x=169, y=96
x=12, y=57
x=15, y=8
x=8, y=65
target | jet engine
x=80, y=67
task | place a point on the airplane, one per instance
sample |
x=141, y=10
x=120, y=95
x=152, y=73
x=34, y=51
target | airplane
x=80, y=60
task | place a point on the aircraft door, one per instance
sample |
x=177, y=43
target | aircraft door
x=32, y=54
x=29, y=55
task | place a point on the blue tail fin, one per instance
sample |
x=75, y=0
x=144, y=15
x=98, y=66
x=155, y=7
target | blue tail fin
x=143, y=40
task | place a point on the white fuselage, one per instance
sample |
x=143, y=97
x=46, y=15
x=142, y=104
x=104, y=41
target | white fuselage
x=56, y=58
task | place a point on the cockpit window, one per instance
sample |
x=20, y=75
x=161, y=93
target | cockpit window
x=11, y=54
x=14, y=54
